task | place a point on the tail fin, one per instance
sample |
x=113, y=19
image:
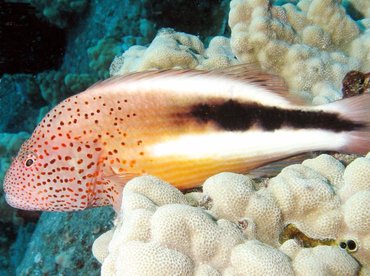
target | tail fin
x=357, y=110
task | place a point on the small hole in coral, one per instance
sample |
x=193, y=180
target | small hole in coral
x=352, y=245
x=343, y=245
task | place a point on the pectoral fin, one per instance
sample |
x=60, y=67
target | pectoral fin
x=119, y=179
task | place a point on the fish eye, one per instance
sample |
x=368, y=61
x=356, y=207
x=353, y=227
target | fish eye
x=29, y=162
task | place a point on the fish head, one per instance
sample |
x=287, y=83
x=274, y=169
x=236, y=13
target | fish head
x=19, y=181
x=45, y=177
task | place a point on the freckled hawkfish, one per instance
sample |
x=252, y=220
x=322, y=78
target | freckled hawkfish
x=179, y=125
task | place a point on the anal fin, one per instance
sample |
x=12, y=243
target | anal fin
x=274, y=168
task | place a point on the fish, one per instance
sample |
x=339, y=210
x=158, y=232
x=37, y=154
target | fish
x=181, y=126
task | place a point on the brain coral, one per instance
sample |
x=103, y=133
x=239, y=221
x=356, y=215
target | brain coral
x=311, y=219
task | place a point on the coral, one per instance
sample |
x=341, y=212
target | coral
x=168, y=50
x=60, y=13
x=235, y=226
x=171, y=49
x=256, y=258
x=360, y=49
x=240, y=202
x=312, y=44
x=78, y=82
x=320, y=260
x=218, y=54
x=75, y=232
x=307, y=201
x=358, y=9
x=20, y=101
x=313, y=52
x=52, y=86
x=99, y=247
x=309, y=44
x=57, y=85
x=141, y=258
x=102, y=54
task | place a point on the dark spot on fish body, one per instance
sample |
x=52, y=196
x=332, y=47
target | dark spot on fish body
x=234, y=116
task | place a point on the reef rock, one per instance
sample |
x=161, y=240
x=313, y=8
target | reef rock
x=311, y=219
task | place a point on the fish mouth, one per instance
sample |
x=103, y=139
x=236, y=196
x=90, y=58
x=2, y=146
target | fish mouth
x=18, y=203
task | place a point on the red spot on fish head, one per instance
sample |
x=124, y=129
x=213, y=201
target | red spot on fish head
x=57, y=168
x=44, y=176
x=20, y=178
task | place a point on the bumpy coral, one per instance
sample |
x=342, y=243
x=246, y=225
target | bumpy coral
x=78, y=82
x=57, y=85
x=358, y=9
x=102, y=54
x=237, y=226
x=312, y=44
x=52, y=86
x=171, y=49
x=320, y=260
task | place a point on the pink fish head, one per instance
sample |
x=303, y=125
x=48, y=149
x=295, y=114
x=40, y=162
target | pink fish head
x=49, y=174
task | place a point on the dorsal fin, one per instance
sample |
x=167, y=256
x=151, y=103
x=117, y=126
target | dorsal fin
x=252, y=73
x=243, y=72
x=135, y=76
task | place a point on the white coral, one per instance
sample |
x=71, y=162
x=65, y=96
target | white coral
x=140, y=258
x=307, y=200
x=236, y=228
x=238, y=201
x=320, y=260
x=256, y=258
x=361, y=6
x=171, y=50
x=312, y=44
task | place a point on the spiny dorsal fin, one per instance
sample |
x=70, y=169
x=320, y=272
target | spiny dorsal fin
x=252, y=73
x=136, y=76
x=243, y=72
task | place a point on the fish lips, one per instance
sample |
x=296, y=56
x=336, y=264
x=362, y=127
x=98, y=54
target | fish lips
x=18, y=203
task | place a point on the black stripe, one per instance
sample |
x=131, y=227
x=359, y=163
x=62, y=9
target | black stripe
x=235, y=116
